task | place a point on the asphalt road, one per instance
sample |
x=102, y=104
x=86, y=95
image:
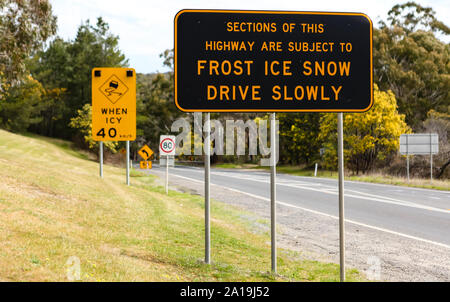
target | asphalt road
x=419, y=214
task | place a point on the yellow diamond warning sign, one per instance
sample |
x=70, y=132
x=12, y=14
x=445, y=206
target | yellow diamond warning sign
x=114, y=104
x=114, y=89
x=145, y=152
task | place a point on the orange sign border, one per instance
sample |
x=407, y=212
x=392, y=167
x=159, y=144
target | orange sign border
x=271, y=12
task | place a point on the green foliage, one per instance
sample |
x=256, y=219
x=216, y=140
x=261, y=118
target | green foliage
x=54, y=66
x=83, y=123
x=52, y=111
x=24, y=25
x=155, y=103
x=369, y=137
x=94, y=46
x=21, y=105
x=67, y=65
x=410, y=16
x=298, y=136
x=412, y=62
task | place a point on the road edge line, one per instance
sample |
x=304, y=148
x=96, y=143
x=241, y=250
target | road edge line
x=327, y=215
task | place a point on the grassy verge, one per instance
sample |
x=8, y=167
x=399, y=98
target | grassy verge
x=372, y=178
x=54, y=206
x=436, y=184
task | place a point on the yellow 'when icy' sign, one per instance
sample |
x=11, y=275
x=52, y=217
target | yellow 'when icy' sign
x=114, y=104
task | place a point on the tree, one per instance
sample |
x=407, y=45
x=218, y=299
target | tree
x=24, y=26
x=53, y=67
x=298, y=136
x=67, y=65
x=412, y=62
x=22, y=105
x=439, y=122
x=155, y=103
x=94, y=46
x=410, y=16
x=369, y=137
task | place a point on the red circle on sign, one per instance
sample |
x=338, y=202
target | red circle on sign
x=167, y=139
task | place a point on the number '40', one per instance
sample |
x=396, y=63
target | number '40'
x=112, y=132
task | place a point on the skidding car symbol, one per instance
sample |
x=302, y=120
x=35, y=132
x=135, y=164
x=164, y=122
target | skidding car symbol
x=112, y=88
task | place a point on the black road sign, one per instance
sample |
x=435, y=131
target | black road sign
x=235, y=61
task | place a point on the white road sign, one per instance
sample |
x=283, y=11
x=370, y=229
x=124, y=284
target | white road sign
x=166, y=145
x=419, y=144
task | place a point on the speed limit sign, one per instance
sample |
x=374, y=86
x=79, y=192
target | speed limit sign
x=166, y=145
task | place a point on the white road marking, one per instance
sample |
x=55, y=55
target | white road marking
x=324, y=214
x=326, y=190
x=373, y=184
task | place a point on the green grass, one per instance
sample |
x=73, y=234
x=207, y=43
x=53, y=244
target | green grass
x=54, y=206
x=436, y=184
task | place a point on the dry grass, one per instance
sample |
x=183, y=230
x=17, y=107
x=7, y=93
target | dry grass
x=436, y=184
x=53, y=206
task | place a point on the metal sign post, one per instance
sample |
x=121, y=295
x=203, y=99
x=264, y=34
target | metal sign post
x=273, y=209
x=407, y=167
x=207, y=191
x=167, y=149
x=431, y=167
x=407, y=156
x=128, y=163
x=100, y=153
x=431, y=158
x=167, y=175
x=341, y=196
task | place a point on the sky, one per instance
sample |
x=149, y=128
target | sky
x=145, y=27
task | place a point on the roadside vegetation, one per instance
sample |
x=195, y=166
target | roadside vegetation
x=53, y=206
x=45, y=89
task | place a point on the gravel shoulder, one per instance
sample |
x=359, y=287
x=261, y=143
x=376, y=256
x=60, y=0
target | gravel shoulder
x=380, y=255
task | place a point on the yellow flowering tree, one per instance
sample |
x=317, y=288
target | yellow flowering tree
x=369, y=137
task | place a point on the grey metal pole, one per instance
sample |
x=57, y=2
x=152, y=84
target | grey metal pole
x=431, y=167
x=100, y=153
x=407, y=157
x=273, y=212
x=167, y=174
x=431, y=159
x=128, y=163
x=341, y=196
x=407, y=166
x=207, y=190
